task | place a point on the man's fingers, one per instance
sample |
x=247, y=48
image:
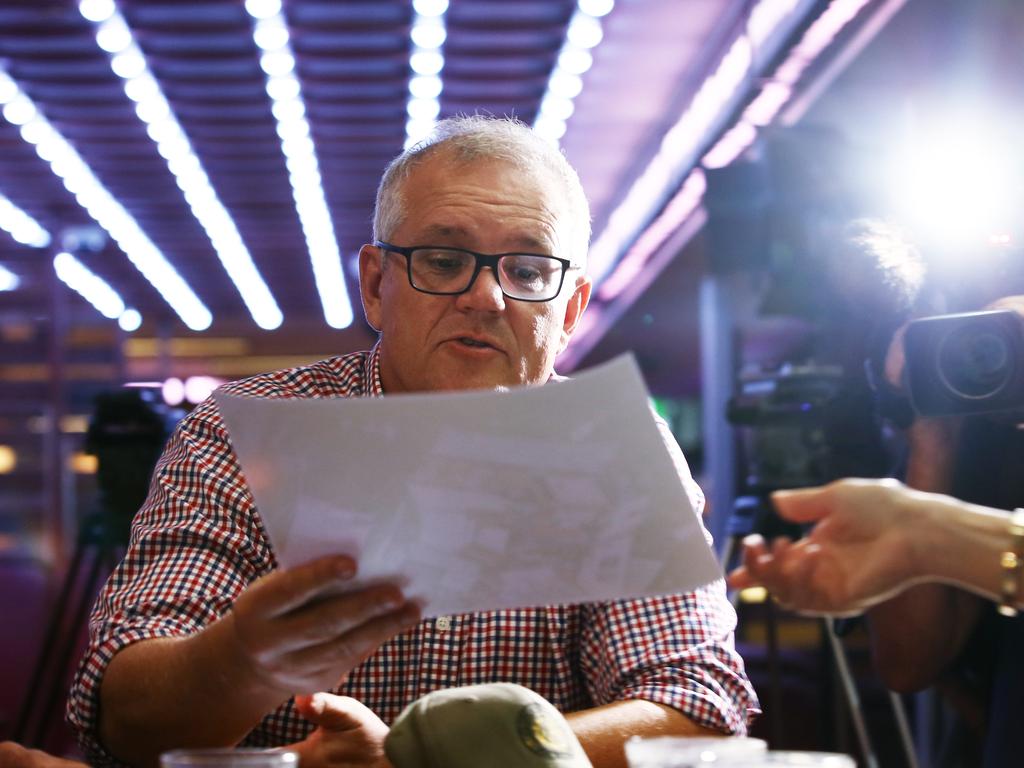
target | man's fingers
x=337, y=713
x=346, y=651
x=283, y=591
x=14, y=755
x=304, y=706
x=336, y=616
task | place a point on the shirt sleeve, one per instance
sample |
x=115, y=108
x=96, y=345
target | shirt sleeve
x=196, y=543
x=676, y=650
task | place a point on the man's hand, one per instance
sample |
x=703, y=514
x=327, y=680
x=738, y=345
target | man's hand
x=300, y=630
x=347, y=734
x=16, y=756
x=860, y=552
x=292, y=631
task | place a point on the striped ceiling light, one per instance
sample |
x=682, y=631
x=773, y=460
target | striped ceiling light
x=574, y=59
x=79, y=180
x=277, y=60
x=426, y=60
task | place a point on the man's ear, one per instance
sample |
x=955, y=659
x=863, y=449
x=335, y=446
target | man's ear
x=371, y=274
x=574, y=310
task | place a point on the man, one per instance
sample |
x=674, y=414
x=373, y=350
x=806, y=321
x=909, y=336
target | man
x=199, y=640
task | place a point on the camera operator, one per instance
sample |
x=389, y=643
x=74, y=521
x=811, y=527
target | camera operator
x=854, y=557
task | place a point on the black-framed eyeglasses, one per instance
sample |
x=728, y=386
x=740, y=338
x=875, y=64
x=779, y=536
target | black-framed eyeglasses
x=444, y=271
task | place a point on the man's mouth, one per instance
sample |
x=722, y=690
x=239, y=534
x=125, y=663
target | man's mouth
x=474, y=343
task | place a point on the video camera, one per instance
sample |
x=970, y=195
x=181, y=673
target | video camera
x=803, y=425
x=798, y=425
x=968, y=363
x=127, y=433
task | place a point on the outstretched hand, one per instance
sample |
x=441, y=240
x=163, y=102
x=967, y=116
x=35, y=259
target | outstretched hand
x=859, y=553
x=304, y=629
x=347, y=733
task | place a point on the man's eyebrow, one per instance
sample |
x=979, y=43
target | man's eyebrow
x=524, y=242
x=445, y=230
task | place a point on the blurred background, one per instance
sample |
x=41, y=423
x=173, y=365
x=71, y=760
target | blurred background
x=185, y=184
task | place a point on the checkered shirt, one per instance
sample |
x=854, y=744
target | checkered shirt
x=198, y=541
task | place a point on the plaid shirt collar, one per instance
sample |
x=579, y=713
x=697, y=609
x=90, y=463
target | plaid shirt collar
x=371, y=372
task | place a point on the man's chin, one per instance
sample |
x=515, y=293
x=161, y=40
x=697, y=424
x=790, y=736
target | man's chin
x=489, y=378
x=477, y=384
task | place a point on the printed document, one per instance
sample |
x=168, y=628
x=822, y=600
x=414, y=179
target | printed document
x=476, y=501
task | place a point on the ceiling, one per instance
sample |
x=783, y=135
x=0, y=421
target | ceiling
x=353, y=63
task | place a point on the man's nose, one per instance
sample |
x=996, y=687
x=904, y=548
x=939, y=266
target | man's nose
x=485, y=292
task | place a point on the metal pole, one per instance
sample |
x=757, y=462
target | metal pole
x=717, y=377
x=850, y=691
x=53, y=461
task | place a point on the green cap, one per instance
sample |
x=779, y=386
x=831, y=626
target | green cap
x=497, y=725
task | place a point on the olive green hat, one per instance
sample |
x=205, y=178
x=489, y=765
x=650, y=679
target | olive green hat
x=498, y=725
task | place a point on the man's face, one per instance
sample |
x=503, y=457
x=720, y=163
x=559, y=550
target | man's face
x=479, y=339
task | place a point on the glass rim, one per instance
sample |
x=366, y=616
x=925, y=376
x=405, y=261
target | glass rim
x=210, y=756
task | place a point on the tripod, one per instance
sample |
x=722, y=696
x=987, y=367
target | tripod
x=752, y=515
x=126, y=434
x=100, y=544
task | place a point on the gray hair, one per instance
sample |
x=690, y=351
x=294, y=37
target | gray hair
x=480, y=137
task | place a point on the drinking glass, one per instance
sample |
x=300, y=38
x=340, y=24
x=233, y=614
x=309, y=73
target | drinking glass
x=805, y=759
x=683, y=751
x=229, y=758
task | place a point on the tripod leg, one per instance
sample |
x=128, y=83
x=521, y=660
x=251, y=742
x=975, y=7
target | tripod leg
x=62, y=658
x=774, y=671
x=852, y=697
x=900, y=715
x=37, y=679
x=772, y=643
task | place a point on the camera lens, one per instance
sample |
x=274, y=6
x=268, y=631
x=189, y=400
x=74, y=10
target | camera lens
x=976, y=361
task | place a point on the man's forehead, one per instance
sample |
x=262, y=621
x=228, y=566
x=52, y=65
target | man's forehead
x=447, y=163
x=437, y=205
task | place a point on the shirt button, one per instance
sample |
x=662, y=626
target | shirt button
x=443, y=623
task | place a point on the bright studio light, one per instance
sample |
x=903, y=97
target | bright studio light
x=426, y=60
x=130, y=320
x=958, y=186
x=128, y=62
x=8, y=280
x=574, y=60
x=271, y=35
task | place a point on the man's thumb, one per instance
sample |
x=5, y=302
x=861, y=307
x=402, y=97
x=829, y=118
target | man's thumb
x=338, y=713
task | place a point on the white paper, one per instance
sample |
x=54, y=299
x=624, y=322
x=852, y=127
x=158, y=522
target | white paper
x=477, y=501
